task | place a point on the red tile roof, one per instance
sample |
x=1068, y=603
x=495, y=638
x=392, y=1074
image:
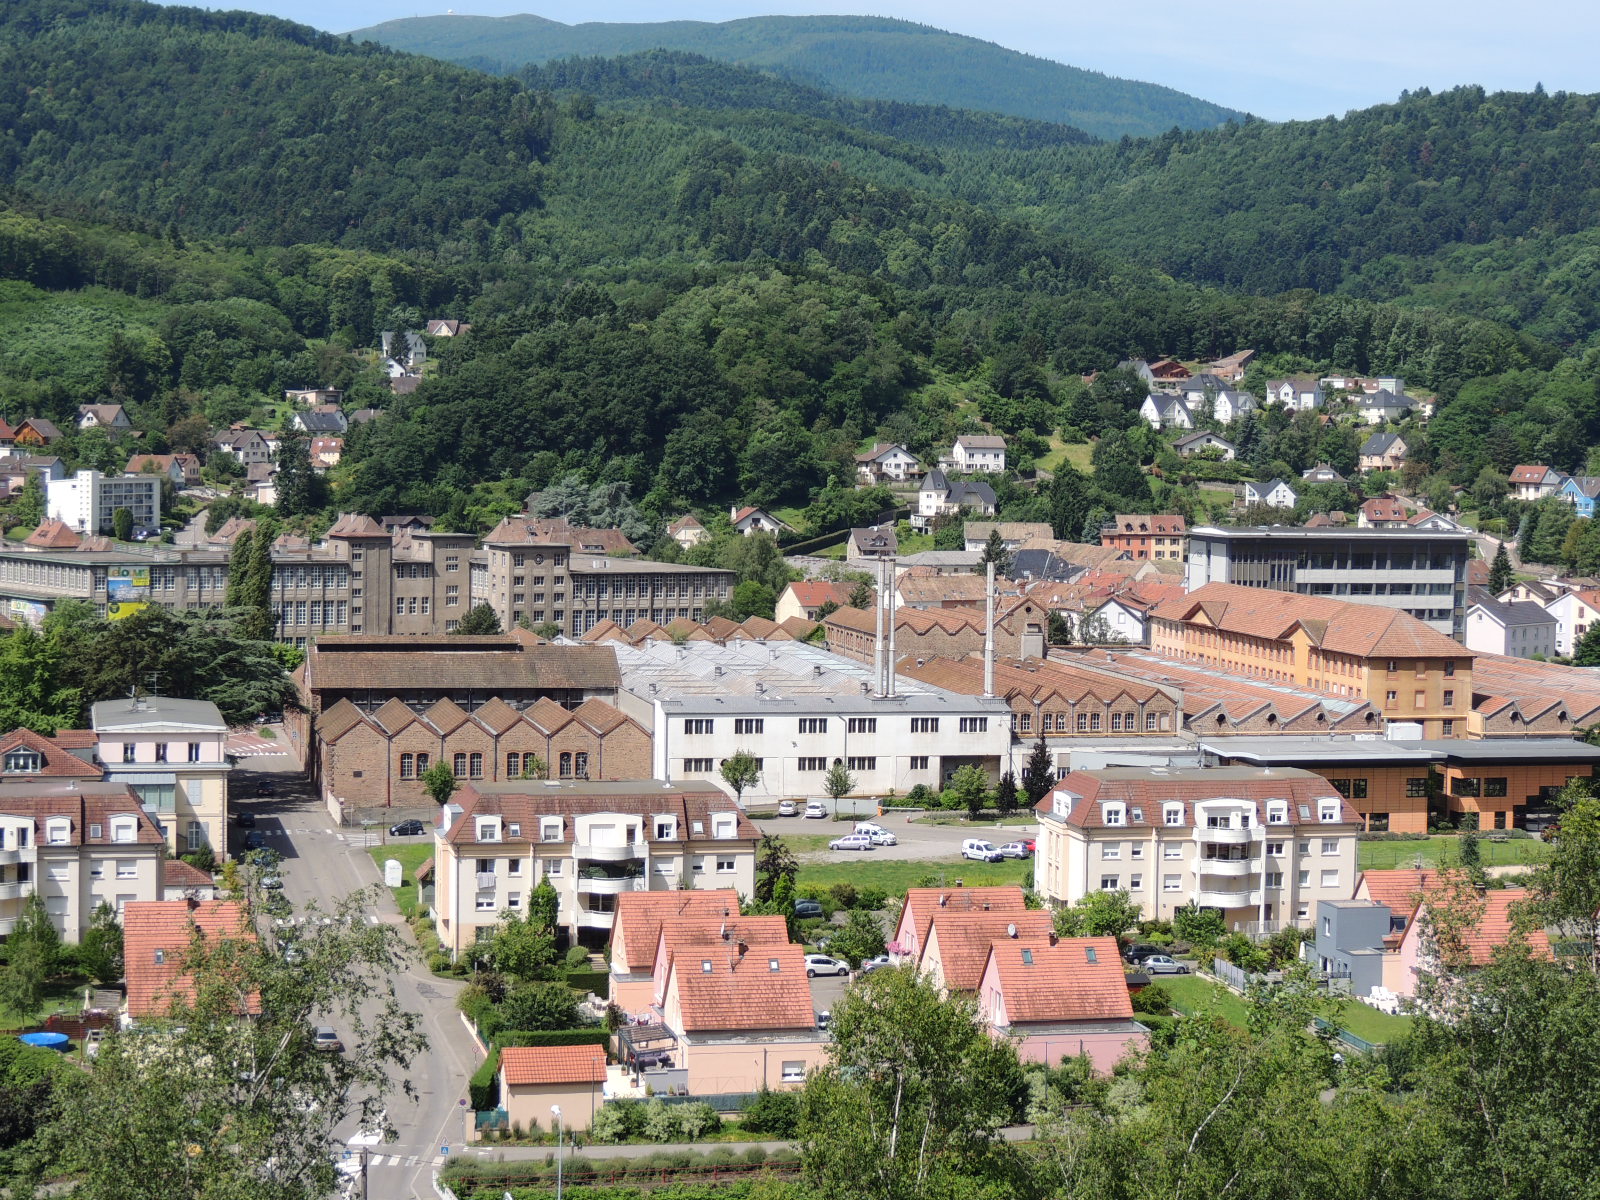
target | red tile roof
x=1061, y=983
x=1397, y=890
x=533, y=1065
x=964, y=938
x=56, y=759
x=741, y=991
x=177, y=873
x=156, y=935
x=53, y=535
x=1079, y=799
x=639, y=916
x=924, y=903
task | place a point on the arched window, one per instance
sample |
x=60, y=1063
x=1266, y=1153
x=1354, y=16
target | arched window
x=513, y=765
x=566, y=764
x=475, y=766
x=582, y=765
x=408, y=766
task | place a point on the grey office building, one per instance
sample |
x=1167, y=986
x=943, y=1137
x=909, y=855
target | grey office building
x=1421, y=573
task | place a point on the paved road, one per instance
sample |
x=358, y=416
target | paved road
x=917, y=840
x=324, y=862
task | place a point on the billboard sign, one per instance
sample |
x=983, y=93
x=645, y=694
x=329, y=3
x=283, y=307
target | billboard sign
x=125, y=584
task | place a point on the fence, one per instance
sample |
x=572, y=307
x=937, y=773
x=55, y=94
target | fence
x=1345, y=1036
x=494, y=1118
x=723, y=1102
x=1238, y=978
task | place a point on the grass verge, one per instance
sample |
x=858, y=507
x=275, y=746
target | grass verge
x=411, y=856
x=1446, y=851
x=1191, y=994
x=894, y=876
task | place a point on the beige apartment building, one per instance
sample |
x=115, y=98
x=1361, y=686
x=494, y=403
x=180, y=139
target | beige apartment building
x=76, y=845
x=172, y=754
x=1262, y=847
x=594, y=842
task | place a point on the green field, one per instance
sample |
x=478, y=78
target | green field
x=411, y=855
x=1191, y=994
x=1444, y=851
x=896, y=875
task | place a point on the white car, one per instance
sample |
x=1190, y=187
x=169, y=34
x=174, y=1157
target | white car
x=821, y=964
x=879, y=835
x=873, y=964
x=851, y=841
x=816, y=810
x=981, y=850
x=786, y=808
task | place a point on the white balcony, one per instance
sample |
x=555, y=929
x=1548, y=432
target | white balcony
x=599, y=852
x=612, y=887
x=1233, y=868
x=8, y=924
x=25, y=854
x=595, y=920
x=1231, y=898
x=1223, y=837
x=486, y=881
x=15, y=891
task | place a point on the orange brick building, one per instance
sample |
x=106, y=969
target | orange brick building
x=1145, y=535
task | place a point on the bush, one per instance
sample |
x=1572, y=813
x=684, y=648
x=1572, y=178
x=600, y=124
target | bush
x=551, y=1037
x=617, y=1121
x=696, y=1120
x=660, y=1122
x=577, y=959
x=774, y=1113
x=872, y=898
x=922, y=794
x=204, y=859
x=1154, y=1000
x=483, y=1089
x=598, y=982
x=845, y=895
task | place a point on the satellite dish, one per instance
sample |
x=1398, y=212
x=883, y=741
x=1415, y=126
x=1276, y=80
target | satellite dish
x=1011, y=929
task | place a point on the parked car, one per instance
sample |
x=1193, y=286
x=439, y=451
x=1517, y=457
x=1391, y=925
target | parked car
x=787, y=808
x=1030, y=843
x=266, y=788
x=872, y=964
x=272, y=882
x=824, y=1019
x=245, y=819
x=981, y=850
x=851, y=841
x=879, y=835
x=253, y=840
x=407, y=828
x=326, y=1039
x=816, y=810
x=1140, y=951
x=1162, y=964
x=1016, y=850
x=821, y=964
x=807, y=908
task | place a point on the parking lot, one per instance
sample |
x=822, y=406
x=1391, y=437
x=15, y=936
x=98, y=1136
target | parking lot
x=917, y=840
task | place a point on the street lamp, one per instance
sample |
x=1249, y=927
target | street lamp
x=555, y=1111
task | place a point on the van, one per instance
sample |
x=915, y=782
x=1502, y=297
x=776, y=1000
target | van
x=981, y=850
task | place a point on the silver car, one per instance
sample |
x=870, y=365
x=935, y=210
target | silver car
x=851, y=841
x=1163, y=964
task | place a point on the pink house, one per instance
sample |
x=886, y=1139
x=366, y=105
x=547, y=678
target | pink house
x=922, y=903
x=1490, y=925
x=1060, y=998
x=957, y=944
x=636, y=929
x=704, y=929
x=741, y=1017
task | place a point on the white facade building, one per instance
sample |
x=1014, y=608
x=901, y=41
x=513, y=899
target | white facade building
x=799, y=709
x=1574, y=613
x=173, y=755
x=88, y=501
x=1261, y=846
x=978, y=452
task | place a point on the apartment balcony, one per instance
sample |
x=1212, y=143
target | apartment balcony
x=595, y=920
x=26, y=854
x=1232, y=868
x=597, y=852
x=1223, y=837
x=15, y=891
x=486, y=881
x=608, y=886
x=1227, y=897
x=8, y=925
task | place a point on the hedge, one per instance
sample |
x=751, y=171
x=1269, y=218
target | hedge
x=551, y=1037
x=484, y=1086
x=598, y=982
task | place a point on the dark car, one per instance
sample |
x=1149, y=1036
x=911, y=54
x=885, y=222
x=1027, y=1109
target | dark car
x=266, y=788
x=245, y=819
x=807, y=908
x=253, y=840
x=407, y=828
x=1138, y=952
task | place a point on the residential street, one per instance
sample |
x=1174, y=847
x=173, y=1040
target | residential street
x=324, y=862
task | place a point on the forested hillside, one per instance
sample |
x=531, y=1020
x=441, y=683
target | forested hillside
x=868, y=57
x=708, y=283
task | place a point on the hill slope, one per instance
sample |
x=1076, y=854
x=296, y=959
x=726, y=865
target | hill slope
x=869, y=57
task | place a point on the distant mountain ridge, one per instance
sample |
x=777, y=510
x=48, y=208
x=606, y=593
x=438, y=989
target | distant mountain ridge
x=865, y=57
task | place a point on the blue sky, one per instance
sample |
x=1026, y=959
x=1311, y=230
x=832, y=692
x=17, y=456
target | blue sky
x=1274, y=58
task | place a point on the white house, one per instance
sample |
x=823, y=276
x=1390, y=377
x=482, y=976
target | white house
x=88, y=501
x=173, y=755
x=1517, y=630
x=975, y=452
x=1574, y=613
x=1203, y=439
x=1382, y=406
x=1321, y=473
x=1535, y=481
x=1275, y=493
x=751, y=519
x=1123, y=617
x=940, y=496
x=1166, y=410
x=886, y=461
x=1297, y=395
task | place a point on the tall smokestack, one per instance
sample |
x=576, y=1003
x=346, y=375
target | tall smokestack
x=988, y=631
x=878, y=647
x=889, y=667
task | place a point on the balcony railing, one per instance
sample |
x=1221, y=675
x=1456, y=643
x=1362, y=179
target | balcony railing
x=24, y=854
x=1223, y=837
x=15, y=891
x=1233, y=868
x=595, y=920
x=1227, y=897
x=598, y=852
x=612, y=887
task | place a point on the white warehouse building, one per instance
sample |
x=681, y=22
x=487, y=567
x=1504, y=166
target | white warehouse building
x=799, y=709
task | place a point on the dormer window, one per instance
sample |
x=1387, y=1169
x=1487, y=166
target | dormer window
x=1172, y=814
x=1330, y=810
x=489, y=830
x=666, y=827
x=22, y=760
x=1114, y=814
x=1277, y=813
x=58, y=831
x=124, y=829
x=724, y=825
x=550, y=829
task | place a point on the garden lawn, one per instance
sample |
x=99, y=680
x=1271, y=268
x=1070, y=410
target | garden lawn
x=894, y=876
x=1445, y=851
x=60, y=995
x=411, y=856
x=1191, y=993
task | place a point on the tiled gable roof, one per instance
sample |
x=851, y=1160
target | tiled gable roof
x=525, y=1066
x=177, y=873
x=639, y=916
x=53, y=535
x=156, y=935
x=55, y=760
x=741, y=992
x=1080, y=798
x=963, y=940
x=1045, y=979
x=1397, y=890
x=924, y=903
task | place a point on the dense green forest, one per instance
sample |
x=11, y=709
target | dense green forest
x=681, y=274
x=873, y=58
